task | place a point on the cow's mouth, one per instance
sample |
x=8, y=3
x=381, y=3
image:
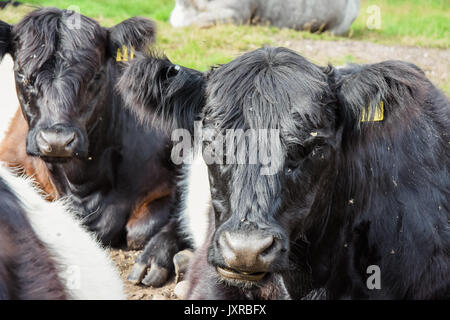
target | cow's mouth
x=240, y=275
x=63, y=158
x=56, y=159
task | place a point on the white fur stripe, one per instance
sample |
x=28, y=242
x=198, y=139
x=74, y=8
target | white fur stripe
x=83, y=266
x=196, y=201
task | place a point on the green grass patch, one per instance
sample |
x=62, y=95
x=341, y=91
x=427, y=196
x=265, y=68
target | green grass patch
x=115, y=10
x=403, y=22
x=414, y=22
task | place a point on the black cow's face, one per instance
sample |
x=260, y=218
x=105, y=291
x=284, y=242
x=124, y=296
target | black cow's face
x=259, y=214
x=63, y=78
x=260, y=206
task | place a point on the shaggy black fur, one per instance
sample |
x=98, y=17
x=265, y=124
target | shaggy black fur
x=177, y=100
x=65, y=77
x=358, y=193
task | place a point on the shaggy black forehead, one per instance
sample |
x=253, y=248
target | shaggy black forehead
x=270, y=88
x=47, y=38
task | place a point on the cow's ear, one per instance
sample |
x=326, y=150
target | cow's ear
x=5, y=39
x=156, y=89
x=378, y=92
x=134, y=34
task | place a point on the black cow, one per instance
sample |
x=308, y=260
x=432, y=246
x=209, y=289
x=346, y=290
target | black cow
x=66, y=66
x=361, y=190
x=44, y=251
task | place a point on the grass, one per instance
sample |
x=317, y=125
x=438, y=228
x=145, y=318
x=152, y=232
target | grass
x=405, y=22
x=424, y=23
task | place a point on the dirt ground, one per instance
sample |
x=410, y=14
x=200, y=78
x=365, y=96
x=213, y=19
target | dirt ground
x=435, y=63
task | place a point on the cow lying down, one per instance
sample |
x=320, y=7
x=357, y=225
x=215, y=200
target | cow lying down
x=352, y=194
x=44, y=251
x=73, y=136
x=335, y=16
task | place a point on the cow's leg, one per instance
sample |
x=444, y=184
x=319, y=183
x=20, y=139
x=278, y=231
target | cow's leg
x=107, y=221
x=146, y=221
x=158, y=255
x=181, y=263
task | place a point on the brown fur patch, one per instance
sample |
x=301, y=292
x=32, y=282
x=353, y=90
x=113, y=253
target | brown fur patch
x=13, y=153
x=143, y=220
x=141, y=210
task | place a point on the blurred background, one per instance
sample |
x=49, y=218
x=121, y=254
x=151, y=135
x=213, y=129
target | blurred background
x=414, y=30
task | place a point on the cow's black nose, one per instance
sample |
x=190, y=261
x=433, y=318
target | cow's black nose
x=57, y=143
x=248, y=256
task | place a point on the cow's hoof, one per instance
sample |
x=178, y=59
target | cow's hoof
x=156, y=277
x=181, y=289
x=137, y=273
x=181, y=262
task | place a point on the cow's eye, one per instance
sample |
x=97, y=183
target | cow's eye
x=98, y=76
x=289, y=170
x=172, y=71
x=24, y=80
x=292, y=163
x=318, y=152
x=94, y=82
x=20, y=76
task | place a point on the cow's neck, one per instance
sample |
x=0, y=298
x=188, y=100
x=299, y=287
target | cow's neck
x=330, y=208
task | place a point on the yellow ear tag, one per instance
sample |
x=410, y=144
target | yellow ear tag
x=122, y=54
x=378, y=116
x=119, y=55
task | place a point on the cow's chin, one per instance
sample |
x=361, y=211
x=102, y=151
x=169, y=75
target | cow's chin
x=56, y=160
x=246, y=280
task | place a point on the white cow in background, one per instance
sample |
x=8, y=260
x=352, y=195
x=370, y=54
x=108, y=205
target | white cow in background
x=335, y=16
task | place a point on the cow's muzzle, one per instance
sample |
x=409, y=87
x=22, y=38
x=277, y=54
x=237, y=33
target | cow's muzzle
x=59, y=142
x=248, y=256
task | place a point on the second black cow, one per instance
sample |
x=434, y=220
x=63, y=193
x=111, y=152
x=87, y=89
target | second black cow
x=360, y=194
x=74, y=135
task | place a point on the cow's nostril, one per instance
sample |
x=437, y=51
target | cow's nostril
x=71, y=139
x=43, y=144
